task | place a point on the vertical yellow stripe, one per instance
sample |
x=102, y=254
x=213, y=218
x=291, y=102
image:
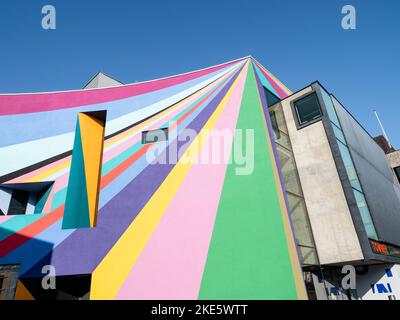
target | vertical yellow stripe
x=92, y=137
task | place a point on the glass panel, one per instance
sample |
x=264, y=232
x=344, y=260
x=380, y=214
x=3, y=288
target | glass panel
x=348, y=163
x=300, y=221
x=338, y=134
x=308, y=108
x=271, y=98
x=279, y=116
x=308, y=256
x=289, y=171
x=365, y=215
x=329, y=107
x=274, y=122
x=283, y=140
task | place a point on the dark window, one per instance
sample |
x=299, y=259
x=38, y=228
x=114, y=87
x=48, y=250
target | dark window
x=1, y=282
x=18, y=203
x=24, y=198
x=397, y=172
x=308, y=109
x=271, y=98
x=153, y=136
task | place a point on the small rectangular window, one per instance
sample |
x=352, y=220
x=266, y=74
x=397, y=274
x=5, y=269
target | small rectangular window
x=153, y=136
x=308, y=109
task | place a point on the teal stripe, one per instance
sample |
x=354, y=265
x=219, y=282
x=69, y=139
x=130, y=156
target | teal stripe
x=76, y=213
x=17, y=223
x=264, y=81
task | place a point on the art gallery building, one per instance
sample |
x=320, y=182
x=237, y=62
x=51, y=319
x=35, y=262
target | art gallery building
x=302, y=191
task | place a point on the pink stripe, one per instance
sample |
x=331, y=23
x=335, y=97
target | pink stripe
x=26, y=103
x=111, y=153
x=172, y=263
x=5, y=218
x=278, y=89
x=41, y=170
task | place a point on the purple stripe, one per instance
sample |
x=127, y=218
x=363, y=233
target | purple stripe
x=84, y=249
x=275, y=151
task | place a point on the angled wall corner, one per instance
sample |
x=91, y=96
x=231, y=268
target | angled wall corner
x=82, y=199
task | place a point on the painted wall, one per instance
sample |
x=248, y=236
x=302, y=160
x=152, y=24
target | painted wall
x=333, y=229
x=176, y=230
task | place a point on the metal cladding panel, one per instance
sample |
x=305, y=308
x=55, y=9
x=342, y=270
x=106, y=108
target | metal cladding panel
x=376, y=177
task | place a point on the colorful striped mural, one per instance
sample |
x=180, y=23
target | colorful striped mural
x=183, y=229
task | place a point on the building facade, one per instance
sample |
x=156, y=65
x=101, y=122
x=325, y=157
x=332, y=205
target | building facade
x=214, y=184
x=110, y=190
x=352, y=196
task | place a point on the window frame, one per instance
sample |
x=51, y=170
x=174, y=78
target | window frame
x=145, y=132
x=296, y=115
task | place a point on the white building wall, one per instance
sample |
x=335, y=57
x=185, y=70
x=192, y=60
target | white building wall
x=5, y=198
x=333, y=229
x=379, y=283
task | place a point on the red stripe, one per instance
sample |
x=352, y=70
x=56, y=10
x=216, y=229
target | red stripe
x=17, y=239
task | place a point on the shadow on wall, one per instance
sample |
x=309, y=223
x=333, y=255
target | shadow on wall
x=377, y=283
x=26, y=272
x=16, y=249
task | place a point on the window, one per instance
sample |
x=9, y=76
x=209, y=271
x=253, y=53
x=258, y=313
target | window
x=308, y=109
x=8, y=281
x=275, y=127
x=153, y=136
x=23, y=198
x=1, y=282
x=19, y=202
x=397, y=172
x=271, y=98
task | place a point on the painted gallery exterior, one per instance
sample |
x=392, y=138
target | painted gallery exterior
x=107, y=187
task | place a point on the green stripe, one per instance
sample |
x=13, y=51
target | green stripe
x=248, y=256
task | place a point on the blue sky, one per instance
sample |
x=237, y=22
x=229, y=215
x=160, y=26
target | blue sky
x=298, y=41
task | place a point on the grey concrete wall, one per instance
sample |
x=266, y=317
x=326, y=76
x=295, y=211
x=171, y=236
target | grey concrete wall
x=331, y=222
x=381, y=190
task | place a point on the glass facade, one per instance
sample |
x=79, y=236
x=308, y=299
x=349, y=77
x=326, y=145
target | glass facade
x=349, y=165
x=297, y=206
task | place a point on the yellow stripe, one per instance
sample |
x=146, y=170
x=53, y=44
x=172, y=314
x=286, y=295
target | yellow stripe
x=145, y=123
x=92, y=136
x=111, y=273
x=108, y=143
x=50, y=172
